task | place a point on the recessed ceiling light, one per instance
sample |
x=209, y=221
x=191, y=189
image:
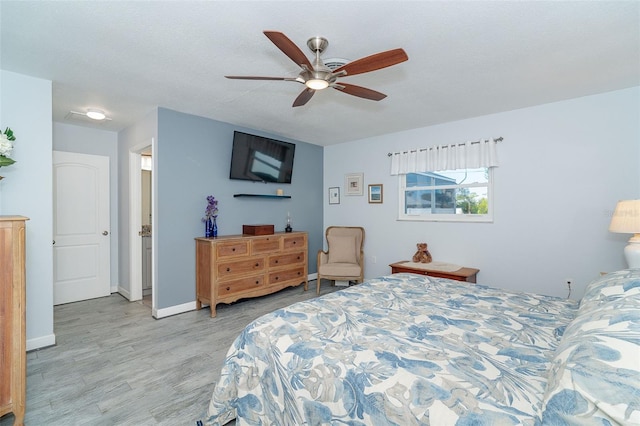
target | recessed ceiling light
x=91, y=115
x=96, y=114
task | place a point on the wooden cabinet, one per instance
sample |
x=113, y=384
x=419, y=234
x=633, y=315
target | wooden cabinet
x=462, y=274
x=240, y=266
x=12, y=317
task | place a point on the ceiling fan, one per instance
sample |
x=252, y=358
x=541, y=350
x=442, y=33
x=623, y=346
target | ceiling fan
x=317, y=76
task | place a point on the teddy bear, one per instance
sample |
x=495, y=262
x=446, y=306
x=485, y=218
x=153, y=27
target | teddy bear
x=422, y=255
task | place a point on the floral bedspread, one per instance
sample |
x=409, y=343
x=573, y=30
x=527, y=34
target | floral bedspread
x=398, y=350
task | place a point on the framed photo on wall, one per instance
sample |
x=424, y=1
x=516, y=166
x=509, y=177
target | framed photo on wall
x=334, y=195
x=375, y=193
x=353, y=183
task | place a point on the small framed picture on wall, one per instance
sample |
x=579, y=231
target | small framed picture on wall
x=334, y=195
x=375, y=193
x=353, y=183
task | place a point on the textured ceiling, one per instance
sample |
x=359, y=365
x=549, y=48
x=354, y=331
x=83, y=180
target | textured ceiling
x=466, y=59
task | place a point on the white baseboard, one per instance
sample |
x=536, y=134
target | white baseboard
x=124, y=292
x=114, y=288
x=174, y=310
x=41, y=342
x=185, y=307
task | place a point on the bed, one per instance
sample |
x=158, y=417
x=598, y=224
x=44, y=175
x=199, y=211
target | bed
x=409, y=349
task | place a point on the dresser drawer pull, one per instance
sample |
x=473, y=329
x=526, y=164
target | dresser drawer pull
x=276, y=261
x=257, y=264
x=277, y=278
x=257, y=282
x=228, y=269
x=295, y=242
x=228, y=288
x=298, y=257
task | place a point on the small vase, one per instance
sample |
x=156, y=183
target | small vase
x=214, y=228
x=208, y=228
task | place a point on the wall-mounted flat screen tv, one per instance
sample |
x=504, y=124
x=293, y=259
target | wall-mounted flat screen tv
x=261, y=159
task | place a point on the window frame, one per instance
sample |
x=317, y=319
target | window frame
x=447, y=217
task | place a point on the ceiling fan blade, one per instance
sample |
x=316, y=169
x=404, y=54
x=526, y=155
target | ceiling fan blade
x=374, y=62
x=289, y=48
x=303, y=97
x=251, y=77
x=359, y=91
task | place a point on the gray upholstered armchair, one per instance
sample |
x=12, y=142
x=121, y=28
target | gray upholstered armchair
x=344, y=258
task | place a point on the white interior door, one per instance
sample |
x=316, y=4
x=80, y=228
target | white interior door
x=80, y=227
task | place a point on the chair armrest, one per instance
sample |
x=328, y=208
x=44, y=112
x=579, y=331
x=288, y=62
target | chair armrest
x=323, y=257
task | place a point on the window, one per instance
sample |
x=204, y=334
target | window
x=462, y=195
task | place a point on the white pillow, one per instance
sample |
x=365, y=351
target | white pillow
x=342, y=249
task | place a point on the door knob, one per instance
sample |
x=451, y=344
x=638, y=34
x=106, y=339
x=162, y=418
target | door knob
x=105, y=233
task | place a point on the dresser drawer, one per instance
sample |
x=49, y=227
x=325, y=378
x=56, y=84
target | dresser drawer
x=232, y=248
x=287, y=275
x=286, y=259
x=265, y=245
x=239, y=267
x=295, y=241
x=239, y=286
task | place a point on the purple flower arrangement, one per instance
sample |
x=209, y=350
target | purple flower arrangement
x=212, y=208
x=210, y=215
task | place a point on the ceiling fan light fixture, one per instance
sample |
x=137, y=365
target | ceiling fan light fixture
x=96, y=114
x=317, y=84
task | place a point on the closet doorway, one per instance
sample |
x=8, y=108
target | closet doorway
x=146, y=220
x=141, y=225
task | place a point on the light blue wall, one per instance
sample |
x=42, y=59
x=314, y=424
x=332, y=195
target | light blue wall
x=563, y=167
x=193, y=159
x=85, y=140
x=25, y=107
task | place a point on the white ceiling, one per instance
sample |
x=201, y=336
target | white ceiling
x=466, y=59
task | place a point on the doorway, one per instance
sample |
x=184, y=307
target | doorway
x=146, y=220
x=141, y=225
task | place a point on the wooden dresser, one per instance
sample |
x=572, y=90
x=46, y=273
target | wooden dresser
x=12, y=317
x=234, y=267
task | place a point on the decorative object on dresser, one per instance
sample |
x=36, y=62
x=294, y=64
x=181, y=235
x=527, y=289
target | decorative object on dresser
x=436, y=269
x=257, y=229
x=626, y=220
x=13, y=347
x=234, y=267
x=288, y=228
x=210, y=218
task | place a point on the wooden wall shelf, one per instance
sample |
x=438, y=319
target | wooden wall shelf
x=261, y=195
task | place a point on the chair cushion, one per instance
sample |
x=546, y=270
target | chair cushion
x=342, y=249
x=340, y=269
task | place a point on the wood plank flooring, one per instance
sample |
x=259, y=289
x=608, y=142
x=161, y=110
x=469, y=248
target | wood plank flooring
x=114, y=364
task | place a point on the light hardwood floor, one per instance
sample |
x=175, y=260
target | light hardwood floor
x=115, y=365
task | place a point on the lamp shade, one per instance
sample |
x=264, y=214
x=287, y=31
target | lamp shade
x=626, y=220
x=626, y=217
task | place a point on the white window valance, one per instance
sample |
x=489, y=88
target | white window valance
x=468, y=155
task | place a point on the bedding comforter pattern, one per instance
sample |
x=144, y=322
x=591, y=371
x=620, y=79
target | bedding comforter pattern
x=399, y=350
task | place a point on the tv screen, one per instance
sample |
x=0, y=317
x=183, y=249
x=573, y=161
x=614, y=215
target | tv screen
x=261, y=159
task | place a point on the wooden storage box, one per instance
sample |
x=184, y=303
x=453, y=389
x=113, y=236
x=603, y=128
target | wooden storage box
x=257, y=229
